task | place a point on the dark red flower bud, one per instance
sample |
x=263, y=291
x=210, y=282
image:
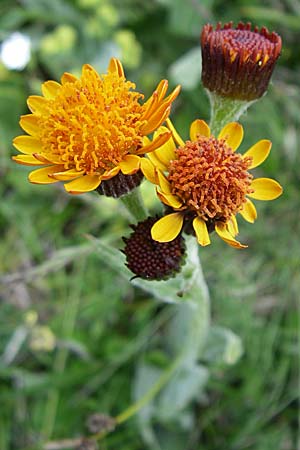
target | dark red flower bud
x=149, y=259
x=238, y=62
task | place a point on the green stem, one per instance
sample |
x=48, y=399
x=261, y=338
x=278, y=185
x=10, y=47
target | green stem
x=144, y=400
x=156, y=388
x=192, y=315
x=134, y=204
x=192, y=319
x=225, y=110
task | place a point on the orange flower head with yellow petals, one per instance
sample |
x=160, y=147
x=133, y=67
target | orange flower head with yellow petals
x=207, y=183
x=90, y=129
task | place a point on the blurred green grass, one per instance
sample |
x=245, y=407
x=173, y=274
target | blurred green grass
x=100, y=323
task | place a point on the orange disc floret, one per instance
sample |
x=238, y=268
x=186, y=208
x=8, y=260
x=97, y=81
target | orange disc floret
x=210, y=178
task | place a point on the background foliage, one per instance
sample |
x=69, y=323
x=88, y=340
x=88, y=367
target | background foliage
x=71, y=329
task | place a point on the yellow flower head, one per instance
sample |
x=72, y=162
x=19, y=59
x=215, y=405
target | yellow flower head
x=207, y=183
x=88, y=129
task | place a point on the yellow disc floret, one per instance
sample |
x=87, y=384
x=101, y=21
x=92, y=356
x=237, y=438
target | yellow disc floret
x=92, y=123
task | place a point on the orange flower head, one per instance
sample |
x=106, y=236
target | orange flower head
x=87, y=130
x=238, y=62
x=205, y=183
x=210, y=178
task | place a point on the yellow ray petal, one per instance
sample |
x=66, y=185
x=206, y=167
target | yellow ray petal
x=265, y=189
x=149, y=170
x=150, y=106
x=110, y=173
x=66, y=175
x=68, y=78
x=149, y=146
x=157, y=99
x=116, y=66
x=44, y=160
x=224, y=234
x=169, y=199
x=156, y=119
x=249, y=212
x=27, y=144
x=163, y=183
x=258, y=152
x=176, y=136
x=27, y=160
x=50, y=89
x=130, y=164
x=233, y=134
x=201, y=231
x=232, y=226
x=174, y=94
x=41, y=176
x=86, y=68
x=162, y=89
x=83, y=184
x=37, y=104
x=167, y=228
x=166, y=152
x=157, y=162
x=199, y=127
x=146, y=141
x=29, y=123
x=161, y=130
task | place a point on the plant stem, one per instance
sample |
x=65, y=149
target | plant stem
x=225, y=110
x=156, y=388
x=192, y=319
x=134, y=204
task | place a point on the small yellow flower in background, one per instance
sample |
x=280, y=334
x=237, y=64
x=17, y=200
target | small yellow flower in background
x=89, y=129
x=207, y=183
x=42, y=339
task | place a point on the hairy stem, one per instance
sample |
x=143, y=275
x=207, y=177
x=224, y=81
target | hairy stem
x=225, y=110
x=134, y=204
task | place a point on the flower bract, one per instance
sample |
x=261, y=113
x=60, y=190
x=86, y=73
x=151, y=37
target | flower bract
x=205, y=183
x=86, y=130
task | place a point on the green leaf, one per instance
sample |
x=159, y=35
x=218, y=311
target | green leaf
x=146, y=376
x=186, y=385
x=222, y=346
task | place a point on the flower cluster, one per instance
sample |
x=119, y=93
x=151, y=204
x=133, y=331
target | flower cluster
x=92, y=133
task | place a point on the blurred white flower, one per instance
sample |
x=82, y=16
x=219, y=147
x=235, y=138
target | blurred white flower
x=15, y=51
